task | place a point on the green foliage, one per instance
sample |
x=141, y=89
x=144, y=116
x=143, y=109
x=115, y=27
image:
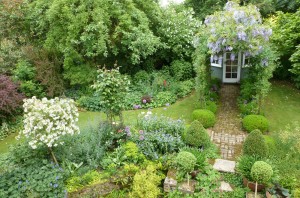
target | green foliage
x=141, y=77
x=205, y=117
x=244, y=165
x=155, y=123
x=252, y=122
x=212, y=106
x=182, y=88
x=111, y=86
x=233, y=178
x=261, y=172
x=199, y=155
x=77, y=182
x=181, y=70
x=197, y=136
x=90, y=103
x=145, y=183
x=285, y=39
x=248, y=108
x=255, y=145
x=163, y=98
x=185, y=161
x=10, y=126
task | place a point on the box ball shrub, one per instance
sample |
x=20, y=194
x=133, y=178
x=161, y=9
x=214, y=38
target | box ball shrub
x=185, y=161
x=196, y=135
x=252, y=122
x=261, y=172
x=255, y=144
x=205, y=117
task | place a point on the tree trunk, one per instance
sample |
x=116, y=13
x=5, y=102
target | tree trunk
x=53, y=156
x=255, y=189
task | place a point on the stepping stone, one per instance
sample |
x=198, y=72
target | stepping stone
x=225, y=187
x=224, y=166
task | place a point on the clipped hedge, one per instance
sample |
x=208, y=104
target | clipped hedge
x=205, y=117
x=196, y=135
x=252, y=122
x=255, y=145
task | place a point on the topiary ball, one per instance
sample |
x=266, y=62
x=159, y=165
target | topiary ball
x=261, y=172
x=252, y=122
x=255, y=144
x=205, y=117
x=196, y=135
x=185, y=161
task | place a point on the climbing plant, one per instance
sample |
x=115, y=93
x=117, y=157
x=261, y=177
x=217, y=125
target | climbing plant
x=236, y=29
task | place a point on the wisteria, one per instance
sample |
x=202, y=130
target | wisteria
x=236, y=29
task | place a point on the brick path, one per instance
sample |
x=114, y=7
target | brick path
x=227, y=133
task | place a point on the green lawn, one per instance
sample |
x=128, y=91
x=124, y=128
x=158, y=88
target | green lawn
x=282, y=106
x=181, y=109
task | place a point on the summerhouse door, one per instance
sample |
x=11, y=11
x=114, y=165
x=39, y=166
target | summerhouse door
x=231, y=67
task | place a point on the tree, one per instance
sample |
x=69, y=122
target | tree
x=111, y=86
x=46, y=121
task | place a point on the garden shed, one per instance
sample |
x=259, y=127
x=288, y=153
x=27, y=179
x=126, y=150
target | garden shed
x=229, y=67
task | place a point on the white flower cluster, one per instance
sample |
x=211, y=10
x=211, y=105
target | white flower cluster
x=45, y=121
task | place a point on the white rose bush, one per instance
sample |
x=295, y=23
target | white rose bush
x=46, y=121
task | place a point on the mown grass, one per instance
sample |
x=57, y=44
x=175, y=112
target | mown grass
x=282, y=105
x=182, y=109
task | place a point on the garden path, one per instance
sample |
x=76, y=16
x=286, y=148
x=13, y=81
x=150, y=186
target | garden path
x=227, y=133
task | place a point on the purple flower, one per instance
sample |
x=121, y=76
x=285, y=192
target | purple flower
x=211, y=59
x=141, y=132
x=144, y=101
x=228, y=48
x=264, y=62
x=242, y=36
x=55, y=185
x=142, y=137
x=127, y=129
x=168, y=104
x=232, y=56
x=220, y=60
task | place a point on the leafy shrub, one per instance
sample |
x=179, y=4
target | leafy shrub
x=252, y=122
x=132, y=100
x=183, y=88
x=11, y=99
x=185, y=161
x=162, y=98
x=36, y=180
x=200, y=156
x=90, y=103
x=154, y=144
x=141, y=76
x=244, y=165
x=145, y=183
x=205, y=117
x=9, y=127
x=196, y=135
x=261, y=172
x=255, y=144
x=76, y=182
x=247, y=108
x=155, y=123
x=181, y=70
x=212, y=106
x=25, y=73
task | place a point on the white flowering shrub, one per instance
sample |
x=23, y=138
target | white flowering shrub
x=45, y=121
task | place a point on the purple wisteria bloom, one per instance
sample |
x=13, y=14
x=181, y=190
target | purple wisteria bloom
x=264, y=62
x=220, y=59
x=228, y=48
x=242, y=36
x=232, y=56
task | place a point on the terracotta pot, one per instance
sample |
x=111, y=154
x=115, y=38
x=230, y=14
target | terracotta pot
x=251, y=185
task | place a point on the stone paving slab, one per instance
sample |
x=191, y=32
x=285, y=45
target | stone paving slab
x=225, y=187
x=224, y=166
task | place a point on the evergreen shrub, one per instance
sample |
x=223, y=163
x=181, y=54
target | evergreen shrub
x=205, y=117
x=255, y=144
x=252, y=122
x=196, y=135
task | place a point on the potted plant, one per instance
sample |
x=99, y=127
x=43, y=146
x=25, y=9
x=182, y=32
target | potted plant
x=261, y=172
